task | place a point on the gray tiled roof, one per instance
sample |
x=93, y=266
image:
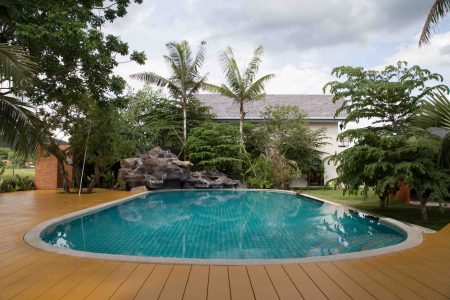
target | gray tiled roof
x=316, y=106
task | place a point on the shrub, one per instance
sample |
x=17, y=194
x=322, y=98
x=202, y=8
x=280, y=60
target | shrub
x=16, y=183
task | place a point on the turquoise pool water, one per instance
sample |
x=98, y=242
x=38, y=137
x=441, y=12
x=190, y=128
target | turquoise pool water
x=223, y=224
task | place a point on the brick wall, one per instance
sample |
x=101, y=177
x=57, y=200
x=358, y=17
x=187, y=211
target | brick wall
x=47, y=173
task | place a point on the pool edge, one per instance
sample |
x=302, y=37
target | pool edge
x=32, y=237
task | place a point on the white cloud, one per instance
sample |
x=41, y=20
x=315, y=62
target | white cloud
x=294, y=80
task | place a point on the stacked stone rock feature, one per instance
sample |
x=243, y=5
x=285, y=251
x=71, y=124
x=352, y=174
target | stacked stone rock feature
x=159, y=169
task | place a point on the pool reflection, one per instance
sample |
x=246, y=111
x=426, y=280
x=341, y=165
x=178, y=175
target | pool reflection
x=223, y=224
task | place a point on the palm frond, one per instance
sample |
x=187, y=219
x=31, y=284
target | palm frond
x=19, y=128
x=231, y=70
x=16, y=65
x=257, y=87
x=435, y=112
x=439, y=9
x=253, y=66
x=200, y=57
x=223, y=90
x=152, y=78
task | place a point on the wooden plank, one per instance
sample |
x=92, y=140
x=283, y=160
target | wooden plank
x=35, y=277
x=240, y=286
x=197, y=284
x=282, y=283
x=412, y=284
x=218, y=285
x=347, y=284
x=425, y=277
x=25, y=262
x=63, y=287
x=307, y=288
x=325, y=284
x=152, y=287
x=42, y=285
x=107, y=288
x=392, y=284
x=372, y=286
x=262, y=286
x=83, y=289
x=176, y=283
x=130, y=287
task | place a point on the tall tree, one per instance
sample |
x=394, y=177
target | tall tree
x=438, y=11
x=75, y=58
x=241, y=87
x=160, y=119
x=390, y=98
x=184, y=80
x=19, y=126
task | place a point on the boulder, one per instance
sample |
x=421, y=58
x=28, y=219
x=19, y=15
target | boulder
x=160, y=169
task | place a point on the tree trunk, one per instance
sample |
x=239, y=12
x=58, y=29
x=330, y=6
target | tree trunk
x=423, y=206
x=184, y=108
x=95, y=179
x=77, y=173
x=64, y=176
x=241, y=123
x=382, y=201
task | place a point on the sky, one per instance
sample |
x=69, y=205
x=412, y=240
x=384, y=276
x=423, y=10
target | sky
x=303, y=40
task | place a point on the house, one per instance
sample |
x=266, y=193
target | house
x=320, y=110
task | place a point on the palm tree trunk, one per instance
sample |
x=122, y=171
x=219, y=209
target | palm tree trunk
x=184, y=108
x=241, y=123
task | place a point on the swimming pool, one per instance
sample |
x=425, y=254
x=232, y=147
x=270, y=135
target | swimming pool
x=220, y=225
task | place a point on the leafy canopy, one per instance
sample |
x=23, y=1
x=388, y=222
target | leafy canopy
x=389, y=97
x=215, y=146
x=392, y=149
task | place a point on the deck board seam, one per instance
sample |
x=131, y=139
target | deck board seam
x=314, y=282
x=165, y=282
x=424, y=283
x=412, y=278
x=143, y=282
x=123, y=281
x=249, y=280
x=290, y=278
x=390, y=277
x=187, y=280
x=270, y=279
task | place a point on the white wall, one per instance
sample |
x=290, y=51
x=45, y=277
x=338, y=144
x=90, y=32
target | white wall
x=332, y=132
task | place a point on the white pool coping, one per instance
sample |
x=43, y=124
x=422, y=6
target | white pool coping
x=32, y=237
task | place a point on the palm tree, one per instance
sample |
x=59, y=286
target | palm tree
x=435, y=113
x=439, y=9
x=184, y=81
x=19, y=126
x=241, y=88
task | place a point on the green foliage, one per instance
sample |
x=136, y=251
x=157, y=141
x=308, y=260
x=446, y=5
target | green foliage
x=185, y=80
x=434, y=112
x=108, y=141
x=158, y=121
x=215, y=146
x=19, y=128
x=271, y=170
x=66, y=40
x=286, y=130
x=260, y=173
x=390, y=97
x=16, y=183
x=241, y=87
x=437, y=12
x=392, y=150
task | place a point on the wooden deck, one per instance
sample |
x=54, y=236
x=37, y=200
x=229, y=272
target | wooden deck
x=27, y=273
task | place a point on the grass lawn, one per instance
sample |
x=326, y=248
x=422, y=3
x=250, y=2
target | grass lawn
x=22, y=172
x=397, y=210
